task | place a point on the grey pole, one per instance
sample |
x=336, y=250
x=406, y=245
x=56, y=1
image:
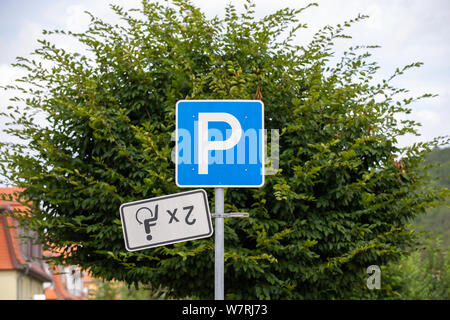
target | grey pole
x=219, y=246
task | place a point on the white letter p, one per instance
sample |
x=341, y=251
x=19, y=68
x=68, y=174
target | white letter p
x=204, y=145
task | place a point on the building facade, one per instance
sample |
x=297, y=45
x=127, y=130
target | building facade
x=23, y=273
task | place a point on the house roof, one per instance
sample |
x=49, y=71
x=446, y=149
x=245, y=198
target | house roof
x=10, y=193
x=11, y=256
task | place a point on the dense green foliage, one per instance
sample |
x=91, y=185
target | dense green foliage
x=437, y=219
x=110, y=290
x=341, y=200
x=441, y=172
x=423, y=274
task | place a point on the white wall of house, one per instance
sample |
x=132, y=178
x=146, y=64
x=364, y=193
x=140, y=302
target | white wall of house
x=8, y=284
x=28, y=286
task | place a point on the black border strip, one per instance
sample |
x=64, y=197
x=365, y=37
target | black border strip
x=276, y=309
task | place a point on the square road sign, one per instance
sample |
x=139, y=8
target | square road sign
x=219, y=143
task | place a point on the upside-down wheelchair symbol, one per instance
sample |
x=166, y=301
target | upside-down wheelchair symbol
x=148, y=222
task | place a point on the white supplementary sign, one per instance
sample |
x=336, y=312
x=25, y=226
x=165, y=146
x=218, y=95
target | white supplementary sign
x=165, y=220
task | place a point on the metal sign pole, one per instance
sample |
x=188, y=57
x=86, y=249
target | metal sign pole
x=219, y=245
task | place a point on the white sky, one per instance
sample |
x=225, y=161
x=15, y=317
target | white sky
x=407, y=31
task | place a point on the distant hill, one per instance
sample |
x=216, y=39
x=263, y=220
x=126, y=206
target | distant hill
x=438, y=219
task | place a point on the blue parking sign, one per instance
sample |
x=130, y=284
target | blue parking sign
x=219, y=143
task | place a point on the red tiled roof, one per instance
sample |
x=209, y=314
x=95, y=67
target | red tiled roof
x=7, y=192
x=5, y=250
x=11, y=257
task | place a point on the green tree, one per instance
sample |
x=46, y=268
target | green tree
x=424, y=274
x=341, y=200
x=437, y=219
x=107, y=290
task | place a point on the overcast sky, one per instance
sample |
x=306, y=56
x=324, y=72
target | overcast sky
x=407, y=31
